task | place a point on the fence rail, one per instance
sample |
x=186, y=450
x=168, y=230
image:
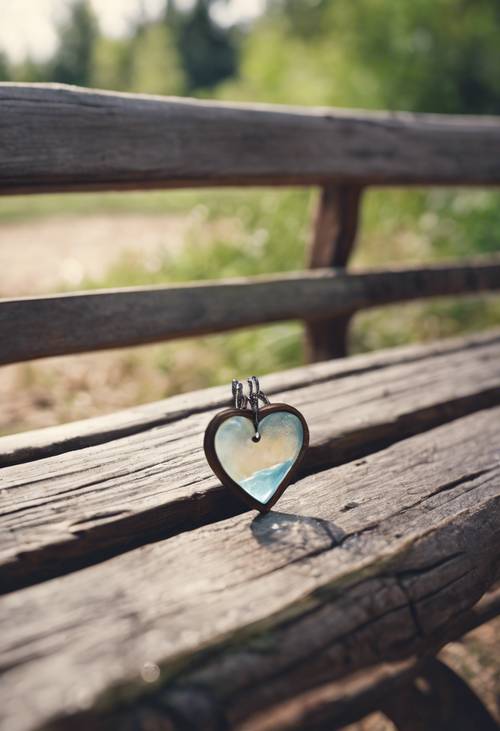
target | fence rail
x=61, y=138
x=35, y=327
x=58, y=138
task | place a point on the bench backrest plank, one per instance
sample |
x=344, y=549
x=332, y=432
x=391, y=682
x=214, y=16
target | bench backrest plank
x=59, y=138
x=74, y=323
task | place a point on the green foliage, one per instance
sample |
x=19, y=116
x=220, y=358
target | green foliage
x=31, y=71
x=111, y=62
x=428, y=55
x=279, y=66
x=208, y=52
x=5, y=71
x=462, y=223
x=182, y=51
x=259, y=232
x=155, y=66
x=440, y=56
x=72, y=62
x=245, y=232
x=235, y=233
x=147, y=63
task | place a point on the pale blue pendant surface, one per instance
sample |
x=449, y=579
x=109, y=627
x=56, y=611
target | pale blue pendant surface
x=259, y=467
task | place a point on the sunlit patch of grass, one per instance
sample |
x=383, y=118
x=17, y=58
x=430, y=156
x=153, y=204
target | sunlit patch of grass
x=248, y=204
x=216, y=359
x=269, y=233
x=243, y=233
x=423, y=322
x=25, y=207
x=265, y=232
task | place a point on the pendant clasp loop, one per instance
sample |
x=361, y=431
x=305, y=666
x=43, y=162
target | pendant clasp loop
x=241, y=401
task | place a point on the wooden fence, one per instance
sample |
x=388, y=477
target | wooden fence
x=57, y=138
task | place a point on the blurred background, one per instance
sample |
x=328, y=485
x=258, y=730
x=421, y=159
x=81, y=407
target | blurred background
x=425, y=56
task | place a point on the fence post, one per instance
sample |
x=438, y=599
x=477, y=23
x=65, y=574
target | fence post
x=335, y=228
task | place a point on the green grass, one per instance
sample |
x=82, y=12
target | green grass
x=248, y=232
x=23, y=208
x=249, y=204
x=272, y=234
x=268, y=231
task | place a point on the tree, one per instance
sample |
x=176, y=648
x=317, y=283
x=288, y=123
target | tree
x=111, y=63
x=4, y=68
x=155, y=64
x=72, y=62
x=429, y=55
x=208, y=52
x=424, y=55
x=30, y=71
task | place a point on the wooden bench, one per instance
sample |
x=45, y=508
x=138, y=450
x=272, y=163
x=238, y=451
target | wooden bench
x=139, y=594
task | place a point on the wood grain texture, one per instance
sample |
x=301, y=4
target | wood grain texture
x=57, y=515
x=49, y=441
x=35, y=327
x=335, y=228
x=82, y=139
x=335, y=704
x=247, y=612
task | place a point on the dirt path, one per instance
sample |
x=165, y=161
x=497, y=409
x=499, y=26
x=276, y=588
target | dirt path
x=40, y=256
x=45, y=255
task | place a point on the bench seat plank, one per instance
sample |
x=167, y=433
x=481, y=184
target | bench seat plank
x=370, y=561
x=58, y=514
x=48, y=441
x=335, y=704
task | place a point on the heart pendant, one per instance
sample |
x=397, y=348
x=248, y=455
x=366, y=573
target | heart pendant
x=256, y=452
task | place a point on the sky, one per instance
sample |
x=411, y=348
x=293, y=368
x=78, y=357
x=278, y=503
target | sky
x=28, y=26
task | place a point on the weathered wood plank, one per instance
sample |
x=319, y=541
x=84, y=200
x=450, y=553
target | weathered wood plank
x=49, y=441
x=335, y=227
x=84, y=139
x=59, y=514
x=35, y=327
x=248, y=612
x=336, y=704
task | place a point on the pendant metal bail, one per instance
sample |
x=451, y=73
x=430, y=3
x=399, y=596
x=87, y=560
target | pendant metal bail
x=239, y=398
x=254, y=396
x=241, y=401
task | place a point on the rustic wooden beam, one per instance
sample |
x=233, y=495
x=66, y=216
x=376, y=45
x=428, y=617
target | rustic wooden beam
x=333, y=705
x=91, y=503
x=55, y=137
x=35, y=327
x=335, y=228
x=235, y=617
x=50, y=441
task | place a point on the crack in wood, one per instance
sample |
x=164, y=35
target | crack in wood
x=342, y=611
